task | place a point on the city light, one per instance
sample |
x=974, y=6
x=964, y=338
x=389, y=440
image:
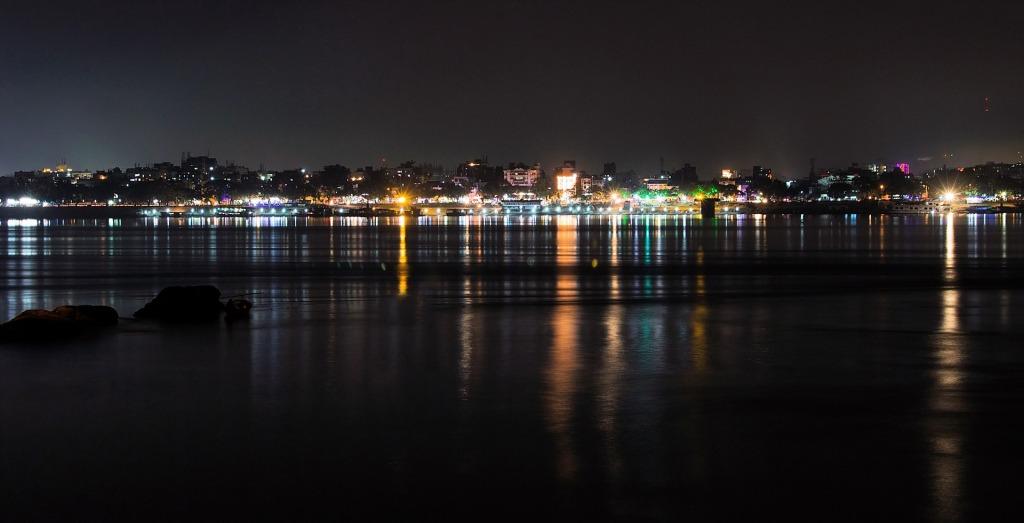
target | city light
x=24, y=201
x=566, y=182
x=413, y=187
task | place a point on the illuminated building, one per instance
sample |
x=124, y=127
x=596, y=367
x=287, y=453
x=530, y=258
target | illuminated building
x=658, y=183
x=522, y=176
x=585, y=184
x=566, y=178
x=728, y=177
x=197, y=168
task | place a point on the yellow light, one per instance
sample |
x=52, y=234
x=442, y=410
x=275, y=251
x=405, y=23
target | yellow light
x=565, y=182
x=948, y=196
x=403, y=259
x=400, y=199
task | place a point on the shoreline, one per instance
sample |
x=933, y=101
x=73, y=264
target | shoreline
x=812, y=208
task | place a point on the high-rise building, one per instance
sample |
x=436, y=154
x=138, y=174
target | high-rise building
x=687, y=174
x=566, y=178
x=759, y=172
x=197, y=168
x=609, y=175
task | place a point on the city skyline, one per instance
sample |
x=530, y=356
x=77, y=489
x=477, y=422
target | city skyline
x=715, y=86
x=661, y=165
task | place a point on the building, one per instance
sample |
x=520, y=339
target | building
x=197, y=168
x=687, y=174
x=154, y=172
x=762, y=173
x=729, y=177
x=585, y=184
x=138, y=174
x=521, y=176
x=609, y=175
x=231, y=173
x=658, y=183
x=567, y=178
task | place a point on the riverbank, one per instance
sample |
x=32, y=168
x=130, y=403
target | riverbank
x=820, y=208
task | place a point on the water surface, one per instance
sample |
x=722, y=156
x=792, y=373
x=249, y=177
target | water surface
x=663, y=368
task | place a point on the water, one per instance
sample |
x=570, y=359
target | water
x=661, y=368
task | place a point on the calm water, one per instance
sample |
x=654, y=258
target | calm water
x=816, y=367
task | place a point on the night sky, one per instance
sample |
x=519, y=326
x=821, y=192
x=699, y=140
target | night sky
x=721, y=84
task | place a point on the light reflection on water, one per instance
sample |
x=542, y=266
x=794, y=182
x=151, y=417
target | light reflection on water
x=641, y=364
x=947, y=469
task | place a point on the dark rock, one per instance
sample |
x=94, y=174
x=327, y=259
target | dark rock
x=184, y=304
x=63, y=322
x=98, y=315
x=237, y=309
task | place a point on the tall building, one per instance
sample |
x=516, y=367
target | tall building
x=759, y=172
x=609, y=174
x=197, y=168
x=687, y=174
x=566, y=178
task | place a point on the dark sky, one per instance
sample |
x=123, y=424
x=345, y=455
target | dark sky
x=717, y=84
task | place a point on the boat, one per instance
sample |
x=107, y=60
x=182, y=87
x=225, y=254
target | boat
x=522, y=203
x=233, y=211
x=372, y=212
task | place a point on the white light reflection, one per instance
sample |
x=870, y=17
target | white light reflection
x=609, y=388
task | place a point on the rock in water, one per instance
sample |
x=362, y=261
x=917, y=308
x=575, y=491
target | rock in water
x=63, y=322
x=237, y=309
x=184, y=304
x=98, y=315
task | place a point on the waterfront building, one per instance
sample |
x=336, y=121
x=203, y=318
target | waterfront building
x=728, y=177
x=658, y=183
x=521, y=176
x=566, y=179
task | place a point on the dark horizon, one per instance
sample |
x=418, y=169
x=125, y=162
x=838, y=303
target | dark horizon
x=317, y=83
